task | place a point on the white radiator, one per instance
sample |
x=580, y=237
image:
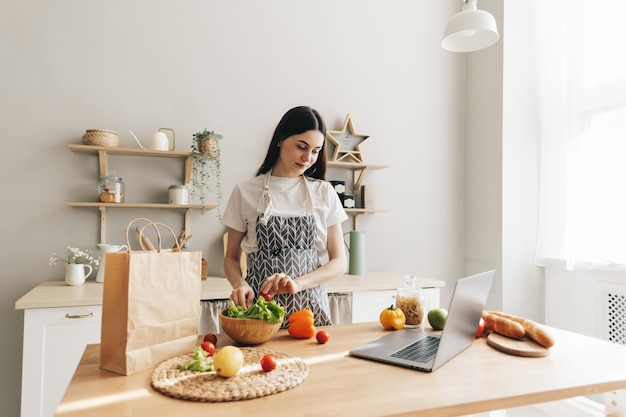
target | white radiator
x=614, y=313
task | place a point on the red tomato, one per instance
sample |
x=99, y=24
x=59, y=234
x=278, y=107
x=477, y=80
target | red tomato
x=481, y=327
x=322, y=337
x=267, y=297
x=210, y=337
x=268, y=362
x=208, y=347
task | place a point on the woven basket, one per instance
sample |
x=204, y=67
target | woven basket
x=100, y=137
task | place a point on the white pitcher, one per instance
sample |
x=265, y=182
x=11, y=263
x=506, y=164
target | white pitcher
x=106, y=249
x=76, y=274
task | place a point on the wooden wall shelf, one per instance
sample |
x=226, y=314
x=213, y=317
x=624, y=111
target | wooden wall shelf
x=359, y=170
x=103, y=153
x=127, y=151
x=141, y=205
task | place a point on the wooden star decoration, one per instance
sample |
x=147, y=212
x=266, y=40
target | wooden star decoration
x=347, y=143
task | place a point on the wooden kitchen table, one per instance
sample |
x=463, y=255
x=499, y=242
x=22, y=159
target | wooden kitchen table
x=478, y=380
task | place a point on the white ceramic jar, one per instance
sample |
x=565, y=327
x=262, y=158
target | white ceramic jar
x=178, y=194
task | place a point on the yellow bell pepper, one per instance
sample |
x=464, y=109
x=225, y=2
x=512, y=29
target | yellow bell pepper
x=392, y=318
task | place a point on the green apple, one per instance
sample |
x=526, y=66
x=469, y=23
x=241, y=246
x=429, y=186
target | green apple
x=437, y=318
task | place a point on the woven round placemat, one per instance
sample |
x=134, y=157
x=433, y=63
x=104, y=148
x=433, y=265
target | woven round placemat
x=250, y=382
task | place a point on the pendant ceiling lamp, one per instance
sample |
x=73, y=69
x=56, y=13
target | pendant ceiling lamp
x=470, y=30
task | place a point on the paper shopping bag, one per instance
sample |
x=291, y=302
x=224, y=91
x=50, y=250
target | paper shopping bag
x=150, y=306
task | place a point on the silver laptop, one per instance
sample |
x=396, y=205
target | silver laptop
x=423, y=351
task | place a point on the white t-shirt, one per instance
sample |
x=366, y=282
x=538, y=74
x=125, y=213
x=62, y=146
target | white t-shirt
x=289, y=199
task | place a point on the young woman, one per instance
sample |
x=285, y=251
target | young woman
x=287, y=220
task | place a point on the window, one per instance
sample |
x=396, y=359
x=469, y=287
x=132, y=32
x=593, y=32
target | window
x=582, y=68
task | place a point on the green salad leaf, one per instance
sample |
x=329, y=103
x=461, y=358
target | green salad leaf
x=200, y=361
x=270, y=311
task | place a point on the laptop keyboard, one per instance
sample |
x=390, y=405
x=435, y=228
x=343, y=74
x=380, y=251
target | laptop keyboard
x=419, y=351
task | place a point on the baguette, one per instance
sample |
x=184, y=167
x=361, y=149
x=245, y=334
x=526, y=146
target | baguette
x=503, y=326
x=533, y=330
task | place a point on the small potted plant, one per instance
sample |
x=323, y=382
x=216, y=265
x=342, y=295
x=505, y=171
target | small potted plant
x=207, y=166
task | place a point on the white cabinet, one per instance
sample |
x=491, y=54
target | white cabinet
x=367, y=305
x=54, y=341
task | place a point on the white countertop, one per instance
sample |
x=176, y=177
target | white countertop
x=58, y=294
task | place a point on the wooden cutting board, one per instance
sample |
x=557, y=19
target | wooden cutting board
x=522, y=347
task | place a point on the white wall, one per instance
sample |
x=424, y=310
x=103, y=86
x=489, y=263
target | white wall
x=483, y=157
x=523, y=284
x=234, y=67
x=501, y=158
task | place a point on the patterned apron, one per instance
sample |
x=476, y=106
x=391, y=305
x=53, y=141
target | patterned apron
x=287, y=245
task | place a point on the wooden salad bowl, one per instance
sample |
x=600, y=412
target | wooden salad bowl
x=247, y=331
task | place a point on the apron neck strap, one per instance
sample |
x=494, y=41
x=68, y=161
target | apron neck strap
x=264, y=205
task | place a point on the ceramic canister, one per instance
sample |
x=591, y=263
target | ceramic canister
x=178, y=194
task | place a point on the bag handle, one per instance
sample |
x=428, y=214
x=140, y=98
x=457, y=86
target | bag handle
x=155, y=225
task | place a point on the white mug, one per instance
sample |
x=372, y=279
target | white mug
x=105, y=248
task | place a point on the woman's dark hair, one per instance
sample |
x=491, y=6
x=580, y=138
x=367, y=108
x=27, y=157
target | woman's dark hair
x=296, y=121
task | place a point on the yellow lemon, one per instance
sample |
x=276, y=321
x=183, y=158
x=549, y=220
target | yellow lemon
x=227, y=361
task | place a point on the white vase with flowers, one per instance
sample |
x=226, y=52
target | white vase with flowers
x=79, y=265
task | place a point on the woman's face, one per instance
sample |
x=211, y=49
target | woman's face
x=298, y=153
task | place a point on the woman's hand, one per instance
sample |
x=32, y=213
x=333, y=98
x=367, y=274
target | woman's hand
x=279, y=283
x=242, y=296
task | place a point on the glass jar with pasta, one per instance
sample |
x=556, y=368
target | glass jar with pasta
x=410, y=300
